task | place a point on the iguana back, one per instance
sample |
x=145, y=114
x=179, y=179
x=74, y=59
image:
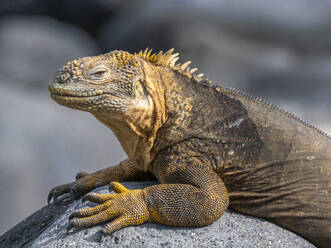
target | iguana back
x=290, y=182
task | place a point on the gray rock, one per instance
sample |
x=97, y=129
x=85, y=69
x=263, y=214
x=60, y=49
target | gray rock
x=29, y=229
x=232, y=230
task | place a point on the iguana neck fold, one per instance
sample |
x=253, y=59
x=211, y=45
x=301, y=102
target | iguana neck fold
x=136, y=129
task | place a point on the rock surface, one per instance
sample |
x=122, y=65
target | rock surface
x=232, y=230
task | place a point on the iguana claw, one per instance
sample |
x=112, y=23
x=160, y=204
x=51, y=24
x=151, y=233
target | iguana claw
x=63, y=190
x=81, y=174
x=66, y=193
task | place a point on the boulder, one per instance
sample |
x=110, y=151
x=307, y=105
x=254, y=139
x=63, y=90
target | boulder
x=231, y=230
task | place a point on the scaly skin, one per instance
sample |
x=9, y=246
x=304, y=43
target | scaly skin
x=208, y=147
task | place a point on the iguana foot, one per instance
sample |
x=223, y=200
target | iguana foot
x=66, y=193
x=124, y=208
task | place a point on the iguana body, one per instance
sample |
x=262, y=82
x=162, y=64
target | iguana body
x=208, y=147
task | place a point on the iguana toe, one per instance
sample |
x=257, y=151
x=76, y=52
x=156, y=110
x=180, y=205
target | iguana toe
x=97, y=198
x=124, y=208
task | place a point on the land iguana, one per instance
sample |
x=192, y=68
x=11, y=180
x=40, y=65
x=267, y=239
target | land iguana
x=210, y=147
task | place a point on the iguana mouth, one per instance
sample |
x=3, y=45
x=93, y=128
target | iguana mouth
x=58, y=92
x=74, y=95
x=75, y=98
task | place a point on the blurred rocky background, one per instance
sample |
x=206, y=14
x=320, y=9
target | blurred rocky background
x=279, y=50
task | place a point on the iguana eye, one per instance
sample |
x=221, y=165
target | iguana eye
x=98, y=73
x=65, y=76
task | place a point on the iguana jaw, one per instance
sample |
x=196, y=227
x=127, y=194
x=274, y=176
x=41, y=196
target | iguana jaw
x=91, y=100
x=77, y=102
x=62, y=92
x=64, y=96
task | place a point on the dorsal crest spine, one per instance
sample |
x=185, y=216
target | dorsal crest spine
x=169, y=58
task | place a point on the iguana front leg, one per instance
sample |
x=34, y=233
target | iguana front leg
x=85, y=182
x=192, y=195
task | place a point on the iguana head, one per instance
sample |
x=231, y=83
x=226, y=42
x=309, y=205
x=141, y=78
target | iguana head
x=108, y=83
x=125, y=91
x=122, y=90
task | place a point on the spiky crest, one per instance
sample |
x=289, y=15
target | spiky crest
x=169, y=58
